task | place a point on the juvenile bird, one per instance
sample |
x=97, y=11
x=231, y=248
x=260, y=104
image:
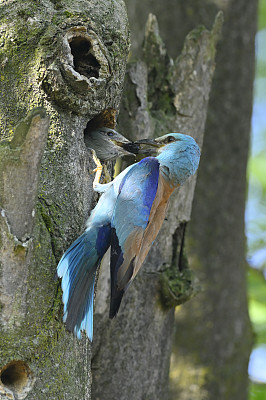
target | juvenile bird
x=128, y=217
x=108, y=144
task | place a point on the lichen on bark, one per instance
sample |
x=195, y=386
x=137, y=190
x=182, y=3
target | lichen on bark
x=40, y=66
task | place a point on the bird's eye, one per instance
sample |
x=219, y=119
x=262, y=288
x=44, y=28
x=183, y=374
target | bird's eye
x=170, y=139
x=110, y=133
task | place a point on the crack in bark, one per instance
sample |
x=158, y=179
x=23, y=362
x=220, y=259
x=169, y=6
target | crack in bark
x=24, y=243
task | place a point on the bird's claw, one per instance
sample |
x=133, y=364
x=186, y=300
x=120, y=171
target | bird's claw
x=96, y=159
x=98, y=168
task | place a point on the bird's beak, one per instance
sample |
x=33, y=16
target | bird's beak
x=148, y=147
x=131, y=147
x=127, y=147
x=119, y=142
x=148, y=142
x=143, y=147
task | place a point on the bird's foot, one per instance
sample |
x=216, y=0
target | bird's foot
x=98, y=168
x=97, y=177
x=96, y=159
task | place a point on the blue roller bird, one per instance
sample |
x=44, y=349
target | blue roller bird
x=128, y=217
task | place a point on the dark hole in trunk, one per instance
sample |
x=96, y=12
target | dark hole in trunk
x=17, y=377
x=84, y=62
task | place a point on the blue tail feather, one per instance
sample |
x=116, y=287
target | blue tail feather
x=62, y=266
x=77, y=268
x=84, y=264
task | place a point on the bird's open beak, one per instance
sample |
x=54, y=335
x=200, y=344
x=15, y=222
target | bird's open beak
x=127, y=147
x=148, y=142
x=119, y=142
x=148, y=147
x=144, y=147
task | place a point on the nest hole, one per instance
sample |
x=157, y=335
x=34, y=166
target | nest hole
x=84, y=61
x=17, y=377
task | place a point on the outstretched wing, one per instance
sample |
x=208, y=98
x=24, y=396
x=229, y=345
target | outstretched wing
x=131, y=215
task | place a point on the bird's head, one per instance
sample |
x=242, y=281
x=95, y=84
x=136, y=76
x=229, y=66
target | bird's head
x=177, y=153
x=170, y=142
x=108, y=144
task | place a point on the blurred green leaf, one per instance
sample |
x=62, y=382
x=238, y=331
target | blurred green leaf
x=261, y=69
x=257, y=312
x=257, y=167
x=257, y=392
x=262, y=15
x=257, y=304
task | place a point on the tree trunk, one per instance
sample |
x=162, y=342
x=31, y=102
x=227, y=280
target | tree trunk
x=67, y=59
x=213, y=333
x=131, y=354
x=218, y=322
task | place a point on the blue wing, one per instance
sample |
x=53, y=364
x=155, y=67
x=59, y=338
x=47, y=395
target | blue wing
x=77, y=268
x=131, y=214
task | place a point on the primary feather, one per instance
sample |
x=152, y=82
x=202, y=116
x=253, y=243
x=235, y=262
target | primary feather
x=128, y=217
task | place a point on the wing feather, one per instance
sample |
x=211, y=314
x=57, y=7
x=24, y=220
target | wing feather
x=131, y=215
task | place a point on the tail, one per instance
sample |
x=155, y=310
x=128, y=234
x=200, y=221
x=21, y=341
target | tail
x=77, y=268
x=116, y=298
x=117, y=259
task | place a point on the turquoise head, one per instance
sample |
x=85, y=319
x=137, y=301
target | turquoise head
x=179, y=157
x=177, y=153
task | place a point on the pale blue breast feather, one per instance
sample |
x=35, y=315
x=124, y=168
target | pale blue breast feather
x=103, y=211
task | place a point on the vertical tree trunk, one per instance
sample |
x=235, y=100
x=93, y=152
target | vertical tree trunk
x=213, y=334
x=132, y=353
x=69, y=59
x=218, y=322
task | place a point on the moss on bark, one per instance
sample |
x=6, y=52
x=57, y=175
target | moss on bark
x=38, y=70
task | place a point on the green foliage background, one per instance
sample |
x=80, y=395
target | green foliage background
x=256, y=226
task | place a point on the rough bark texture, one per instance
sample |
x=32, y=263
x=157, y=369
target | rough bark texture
x=213, y=335
x=131, y=354
x=68, y=59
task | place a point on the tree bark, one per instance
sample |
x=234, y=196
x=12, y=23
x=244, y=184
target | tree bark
x=66, y=62
x=213, y=334
x=131, y=354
